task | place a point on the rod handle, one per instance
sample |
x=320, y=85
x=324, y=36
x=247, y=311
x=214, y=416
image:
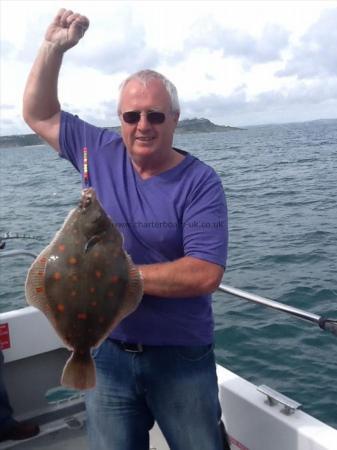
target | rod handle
x=328, y=325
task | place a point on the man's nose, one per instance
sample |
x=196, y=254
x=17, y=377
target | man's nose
x=143, y=123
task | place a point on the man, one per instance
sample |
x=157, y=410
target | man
x=11, y=429
x=158, y=364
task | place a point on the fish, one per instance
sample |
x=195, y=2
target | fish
x=85, y=284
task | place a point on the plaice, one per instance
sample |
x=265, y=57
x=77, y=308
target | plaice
x=85, y=284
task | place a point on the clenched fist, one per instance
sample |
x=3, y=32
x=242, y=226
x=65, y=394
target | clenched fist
x=66, y=29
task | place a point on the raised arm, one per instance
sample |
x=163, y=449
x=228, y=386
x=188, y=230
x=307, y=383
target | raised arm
x=41, y=107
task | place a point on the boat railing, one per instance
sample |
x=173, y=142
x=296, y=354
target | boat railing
x=323, y=322
x=65, y=411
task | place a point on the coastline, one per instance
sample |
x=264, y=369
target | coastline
x=184, y=126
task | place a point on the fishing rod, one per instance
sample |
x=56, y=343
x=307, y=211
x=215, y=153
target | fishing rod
x=323, y=322
x=6, y=236
x=9, y=235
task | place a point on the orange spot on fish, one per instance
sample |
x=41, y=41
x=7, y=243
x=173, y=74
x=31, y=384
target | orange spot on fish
x=93, y=303
x=40, y=274
x=72, y=260
x=114, y=279
x=81, y=316
x=60, y=307
x=74, y=278
x=73, y=293
x=43, y=260
x=62, y=247
x=92, y=290
x=39, y=289
x=57, y=276
x=98, y=274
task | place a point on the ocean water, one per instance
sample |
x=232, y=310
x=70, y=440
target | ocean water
x=280, y=182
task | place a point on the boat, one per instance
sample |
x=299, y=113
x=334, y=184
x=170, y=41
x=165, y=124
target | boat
x=255, y=417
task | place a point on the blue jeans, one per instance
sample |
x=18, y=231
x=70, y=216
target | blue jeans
x=175, y=386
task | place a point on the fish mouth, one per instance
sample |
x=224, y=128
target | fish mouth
x=88, y=196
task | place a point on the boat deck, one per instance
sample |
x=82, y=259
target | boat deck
x=70, y=439
x=33, y=365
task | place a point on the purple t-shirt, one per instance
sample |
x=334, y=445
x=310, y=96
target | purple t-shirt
x=180, y=212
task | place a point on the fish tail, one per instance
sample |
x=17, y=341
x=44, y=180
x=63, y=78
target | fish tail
x=79, y=371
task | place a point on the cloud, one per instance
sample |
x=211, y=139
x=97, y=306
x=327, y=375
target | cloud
x=223, y=63
x=112, y=57
x=7, y=107
x=304, y=100
x=24, y=50
x=122, y=47
x=238, y=44
x=102, y=114
x=7, y=122
x=213, y=105
x=13, y=126
x=315, y=55
x=7, y=49
x=107, y=47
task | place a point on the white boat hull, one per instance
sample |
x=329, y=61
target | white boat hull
x=34, y=360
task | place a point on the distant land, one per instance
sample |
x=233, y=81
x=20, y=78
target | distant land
x=184, y=126
x=202, y=126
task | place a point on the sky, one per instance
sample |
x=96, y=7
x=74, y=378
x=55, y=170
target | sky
x=236, y=63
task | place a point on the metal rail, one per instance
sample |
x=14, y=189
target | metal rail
x=321, y=321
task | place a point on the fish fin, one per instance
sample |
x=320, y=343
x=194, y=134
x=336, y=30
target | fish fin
x=79, y=371
x=36, y=291
x=35, y=285
x=134, y=291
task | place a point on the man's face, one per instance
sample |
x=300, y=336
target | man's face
x=146, y=141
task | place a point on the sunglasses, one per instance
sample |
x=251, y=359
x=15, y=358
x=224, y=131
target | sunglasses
x=153, y=117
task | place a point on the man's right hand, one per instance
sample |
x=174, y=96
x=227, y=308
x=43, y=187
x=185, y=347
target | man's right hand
x=41, y=107
x=66, y=29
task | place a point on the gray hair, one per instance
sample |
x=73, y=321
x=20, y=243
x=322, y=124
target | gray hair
x=144, y=76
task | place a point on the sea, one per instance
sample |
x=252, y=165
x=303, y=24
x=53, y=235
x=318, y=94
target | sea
x=281, y=188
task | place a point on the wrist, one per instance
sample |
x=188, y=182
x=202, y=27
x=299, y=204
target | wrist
x=51, y=48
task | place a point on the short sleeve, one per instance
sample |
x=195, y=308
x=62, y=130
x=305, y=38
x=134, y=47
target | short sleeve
x=77, y=134
x=205, y=223
x=74, y=136
x=70, y=139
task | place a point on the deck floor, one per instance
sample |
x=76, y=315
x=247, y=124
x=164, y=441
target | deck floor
x=70, y=439
x=64, y=439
